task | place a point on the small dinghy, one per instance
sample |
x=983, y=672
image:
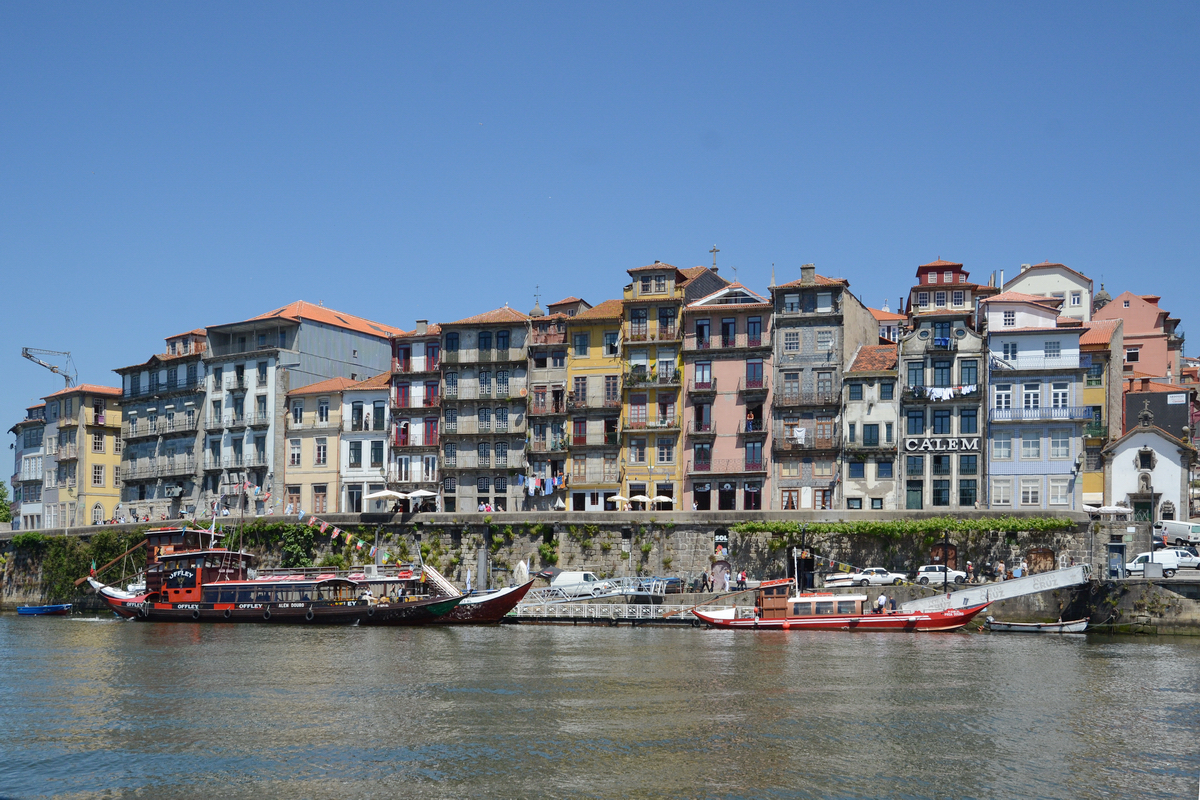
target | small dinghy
x=1072, y=626
x=60, y=610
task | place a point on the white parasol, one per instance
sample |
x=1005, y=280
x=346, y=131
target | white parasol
x=421, y=493
x=639, y=498
x=386, y=493
x=616, y=498
x=662, y=499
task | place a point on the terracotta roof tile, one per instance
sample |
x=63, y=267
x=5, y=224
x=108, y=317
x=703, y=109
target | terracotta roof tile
x=819, y=280
x=875, y=358
x=655, y=265
x=430, y=330
x=609, y=309
x=940, y=263
x=196, y=332
x=381, y=381
x=567, y=300
x=1019, y=297
x=301, y=310
x=496, y=316
x=691, y=273
x=1135, y=386
x=86, y=388
x=886, y=316
x=322, y=387
x=1098, y=331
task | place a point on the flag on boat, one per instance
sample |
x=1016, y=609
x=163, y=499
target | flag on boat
x=348, y=537
x=312, y=521
x=336, y=533
x=359, y=544
x=93, y=572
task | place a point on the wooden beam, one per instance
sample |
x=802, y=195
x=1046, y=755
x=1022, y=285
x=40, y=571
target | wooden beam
x=115, y=560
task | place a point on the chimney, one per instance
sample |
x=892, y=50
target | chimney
x=422, y=327
x=1145, y=384
x=808, y=273
x=1024, y=267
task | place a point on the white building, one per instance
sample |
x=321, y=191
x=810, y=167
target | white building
x=1149, y=471
x=362, y=457
x=871, y=429
x=1058, y=281
x=29, y=465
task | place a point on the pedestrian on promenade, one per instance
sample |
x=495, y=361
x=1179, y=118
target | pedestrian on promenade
x=741, y=580
x=704, y=585
x=727, y=581
x=970, y=572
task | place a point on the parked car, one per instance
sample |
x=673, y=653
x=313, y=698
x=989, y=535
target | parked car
x=1188, y=558
x=937, y=573
x=581, y=584
x=871, y=576
x=1168, y=559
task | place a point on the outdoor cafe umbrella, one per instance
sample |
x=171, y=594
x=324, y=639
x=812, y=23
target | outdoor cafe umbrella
x=618, y=498
x=1122, y=510
x=662, y=499
x=639, y=498
x=420, y=494
x=386, y=493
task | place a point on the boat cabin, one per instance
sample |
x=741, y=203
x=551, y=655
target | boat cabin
x=775, y=600
x=322, y=589
x=178, y=577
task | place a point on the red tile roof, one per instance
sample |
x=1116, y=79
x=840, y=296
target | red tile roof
x=86, y=388
x=301, y=310
x=322, y=387
x=1098, y=332
x=567, y=300
x=655, y=265
x=381, y=381
x=886, y=316
x=196, y=332
x=939, y=263
x=819, y=280
x=609, y=309
x=1020, y=297
x=1135, y=386
x=691, y=273
x=875, y=358
x=496, y=316
x=430, y=330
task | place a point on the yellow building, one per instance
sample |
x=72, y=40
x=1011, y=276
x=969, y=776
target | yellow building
x=651, y=418
x=84, y=424
x=1102, y=395
x=311, y=461
x=594, y=369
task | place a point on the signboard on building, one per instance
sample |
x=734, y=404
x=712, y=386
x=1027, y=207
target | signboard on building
x=943, y=444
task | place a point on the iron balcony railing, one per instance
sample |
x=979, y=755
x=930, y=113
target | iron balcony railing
x=595, y=402
x=652, y=377
x=870, y=446
x=538, y=409
x=752, y=427
x=1070, y=361
x=548, y=337
x=694, y=343
x=752, y=385
x=650, y=333
x=800, y=439
x=328, y=424
x=551, y=445
x=144, y=427
x=1095, y=430
x=935, y=394
x=726, y=466
x=702, y=387
x=1047, y=413
x=405, y=366
x=184, y=385
x=824, y=396
x=702, y=429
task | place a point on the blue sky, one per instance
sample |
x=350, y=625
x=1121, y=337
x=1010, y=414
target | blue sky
x=168, y=166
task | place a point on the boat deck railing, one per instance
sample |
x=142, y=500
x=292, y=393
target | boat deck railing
x=611, y=587
x=610, y=612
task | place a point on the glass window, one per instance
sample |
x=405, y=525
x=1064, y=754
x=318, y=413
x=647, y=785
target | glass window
x=855, y=504
x=968, y=420
x=824, y=340
x=610, y=343
x=791, y=341
x=1031, y=491
x=1095, y=374
x=914, y=465
x=1031, y=395
x=581, y=345
x=968, y=372
x=1059, y=491
x=1060, y=443
x=968, y=465
x=967, y=492
x=1004, y=395
x=1010, y=319
x=916, y=373
x=870, y=434
x=941, y=493
x=1052, y=349
x=941, y=420
x=916, y=421
x=485, y=340
x=1002, y=445
x=452, y=342
x=883, y=469
x=876, y=503
x=1031, y=444
x=856, y=391
x=914, y=495
x=887, y=390
x=858, y=469
x=1001, y=492
x=1059, y=395
x=922, y=299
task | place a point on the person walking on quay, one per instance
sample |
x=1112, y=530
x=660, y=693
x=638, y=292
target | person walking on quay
x=741, y=584
x=703, y=582
x=970, y=572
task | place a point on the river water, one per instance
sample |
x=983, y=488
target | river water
x=92, y=708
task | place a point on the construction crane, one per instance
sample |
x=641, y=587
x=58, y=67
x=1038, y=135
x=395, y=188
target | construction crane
x=67, y=371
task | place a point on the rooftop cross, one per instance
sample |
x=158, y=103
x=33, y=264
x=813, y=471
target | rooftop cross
x=714, y=252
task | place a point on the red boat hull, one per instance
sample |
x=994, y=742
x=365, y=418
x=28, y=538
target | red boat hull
x=918, y=621
x=486, y=611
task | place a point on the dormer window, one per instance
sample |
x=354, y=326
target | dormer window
x=645, y=284
x=947, y=277
x=1010, y=319
x=962, y=278
x=660, y=283
x=931, y=277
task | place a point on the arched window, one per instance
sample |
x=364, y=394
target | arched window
x=97, y=514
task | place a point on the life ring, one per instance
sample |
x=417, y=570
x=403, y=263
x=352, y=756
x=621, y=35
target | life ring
x=267, y=614
x=228, y=613
x=371, y=611
x=196, y=614
x=142, y=612
x=309, y=615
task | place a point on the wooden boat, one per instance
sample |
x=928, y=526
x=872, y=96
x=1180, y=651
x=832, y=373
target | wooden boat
x=59, y=610
x=188, y=582
x=488, y=607
x=777, y=607
x=1071, y=626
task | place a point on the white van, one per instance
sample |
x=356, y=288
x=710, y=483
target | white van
x=1178, y=532
x=1168, y=558
x=580, y=584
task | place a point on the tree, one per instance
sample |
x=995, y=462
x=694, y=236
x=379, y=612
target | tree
x=5, y=510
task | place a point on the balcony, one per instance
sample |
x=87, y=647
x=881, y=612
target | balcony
x=694, y=343
x=702, y=387
x=361, y=426
x=646, y=333
x=942, y=344
x=168, y=467
x=937, y=394
x=578, y=440
x=752, y=386
x=144, y=428
x=1032, y=363
x=825, y=396
x=555, y=444
x=450, y=357
x=405, y=367
x=259, y=419
x=548, y=337
x=872, y=446
x=236, y=383
x=432, y=402
x=1045, y=413
x=575, y=403
x=804, y=440
x=326, y=424
x=726, y=466
x=158, y=388
x=543, y=409
x=1095, y=430
x=68, y=452
x=652, y=377
x=702, y=429
x=796, y=310
x=235, y=421
x=752, y=427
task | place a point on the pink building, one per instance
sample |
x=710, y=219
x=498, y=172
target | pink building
x=727, y=363
x=1152, y=345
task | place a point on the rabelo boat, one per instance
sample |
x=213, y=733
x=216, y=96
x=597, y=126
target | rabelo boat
x=777, y=606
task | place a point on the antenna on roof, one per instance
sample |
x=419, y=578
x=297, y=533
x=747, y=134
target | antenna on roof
x=772, y=286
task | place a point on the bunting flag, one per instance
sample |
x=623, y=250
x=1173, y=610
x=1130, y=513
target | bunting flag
x=373, y=550
x=385, y=558
x=312, y=521
x=348, y=538
x=359, y=545
x=334, y=535
x=324, y=526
